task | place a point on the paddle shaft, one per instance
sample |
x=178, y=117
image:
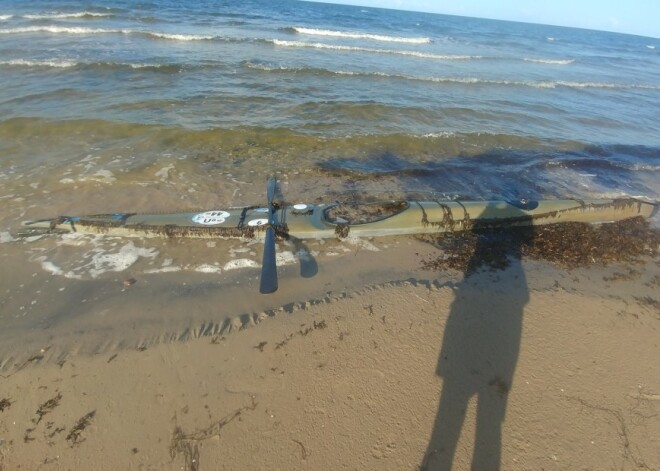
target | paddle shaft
x=268, y=282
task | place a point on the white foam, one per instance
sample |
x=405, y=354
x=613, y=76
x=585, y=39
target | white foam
x=77, y=239
x=64, y=64
x=143, y=66
x=101, y=176
x=286, y=258
x=335, y=47
x=550, y=61
x=6, y=237
x=6, y=17
x=60, y=30
x=435, y=135
x=180, y=37
x=61, y=64
x=119, y=261
x=359, y=35
x=58, y=16
x=53, y=269
x=164, y=173
x=240, y=263
x=162, y=270
x=462, y=80
x=89, y=31
x=206, y=268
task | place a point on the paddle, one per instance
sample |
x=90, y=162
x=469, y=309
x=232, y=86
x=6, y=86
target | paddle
x=269, y=264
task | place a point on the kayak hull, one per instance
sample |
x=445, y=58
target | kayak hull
x=342, y=220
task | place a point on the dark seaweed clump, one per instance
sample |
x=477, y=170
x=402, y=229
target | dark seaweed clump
x=349, y=213
x=569, y=245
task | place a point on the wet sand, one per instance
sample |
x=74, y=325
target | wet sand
x=547, y=367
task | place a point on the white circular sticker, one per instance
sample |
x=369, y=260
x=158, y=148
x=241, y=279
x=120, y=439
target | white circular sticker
x=257, y=222
x=300, y=207
x=210, y=218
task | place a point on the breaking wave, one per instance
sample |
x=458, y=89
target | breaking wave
x=55, y=63
x=359, y=35
x=424, y=55
x=69, y=64
x=91, y=31
x=550, y=61
x=418, y=54
x=60, y=16
x=550, y=84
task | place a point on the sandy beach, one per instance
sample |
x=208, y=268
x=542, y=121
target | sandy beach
x=534, y=366
x=513, y=348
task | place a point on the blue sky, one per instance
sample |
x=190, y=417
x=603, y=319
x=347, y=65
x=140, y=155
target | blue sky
x=640, y=17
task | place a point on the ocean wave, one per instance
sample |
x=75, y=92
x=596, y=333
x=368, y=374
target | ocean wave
x=54, y=63
x=359, y=35
x=6, y=17
x=90, y=31
x=451, y=80
x=619, y=86
x=68, y=64
x=179, y=37
x=550, y=61
x=422, y=55
x=59, y=30
x=540, y=85
x=60, y=16
x=335, y=47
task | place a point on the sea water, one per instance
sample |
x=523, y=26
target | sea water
x=112, y=105
x=458, y=105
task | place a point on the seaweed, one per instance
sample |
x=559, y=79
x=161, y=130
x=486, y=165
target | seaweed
x=188, y=443
x=47, y=407
x=361, y=213
x=4, y=404
x=73, y=437
x=568, y=245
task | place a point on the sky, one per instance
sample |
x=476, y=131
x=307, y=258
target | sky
x=641, y=17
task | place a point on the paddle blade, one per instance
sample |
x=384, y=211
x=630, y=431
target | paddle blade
x=269, y=265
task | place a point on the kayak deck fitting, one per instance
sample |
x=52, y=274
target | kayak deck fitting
x=340, y=220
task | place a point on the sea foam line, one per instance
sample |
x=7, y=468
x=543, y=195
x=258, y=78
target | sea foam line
x=61, y=64
x=358, y=35
x=84, y=30
x=455, y=80
x=335, y=47
x=59, y=16
x=179, y=37
x=60, y=30
x=423, y=55
x=67, y=64
x=550, y=61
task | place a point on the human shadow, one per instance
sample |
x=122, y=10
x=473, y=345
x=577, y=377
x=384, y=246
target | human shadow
x=480, y=345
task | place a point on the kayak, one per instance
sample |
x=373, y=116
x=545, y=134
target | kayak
x=341, y=220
